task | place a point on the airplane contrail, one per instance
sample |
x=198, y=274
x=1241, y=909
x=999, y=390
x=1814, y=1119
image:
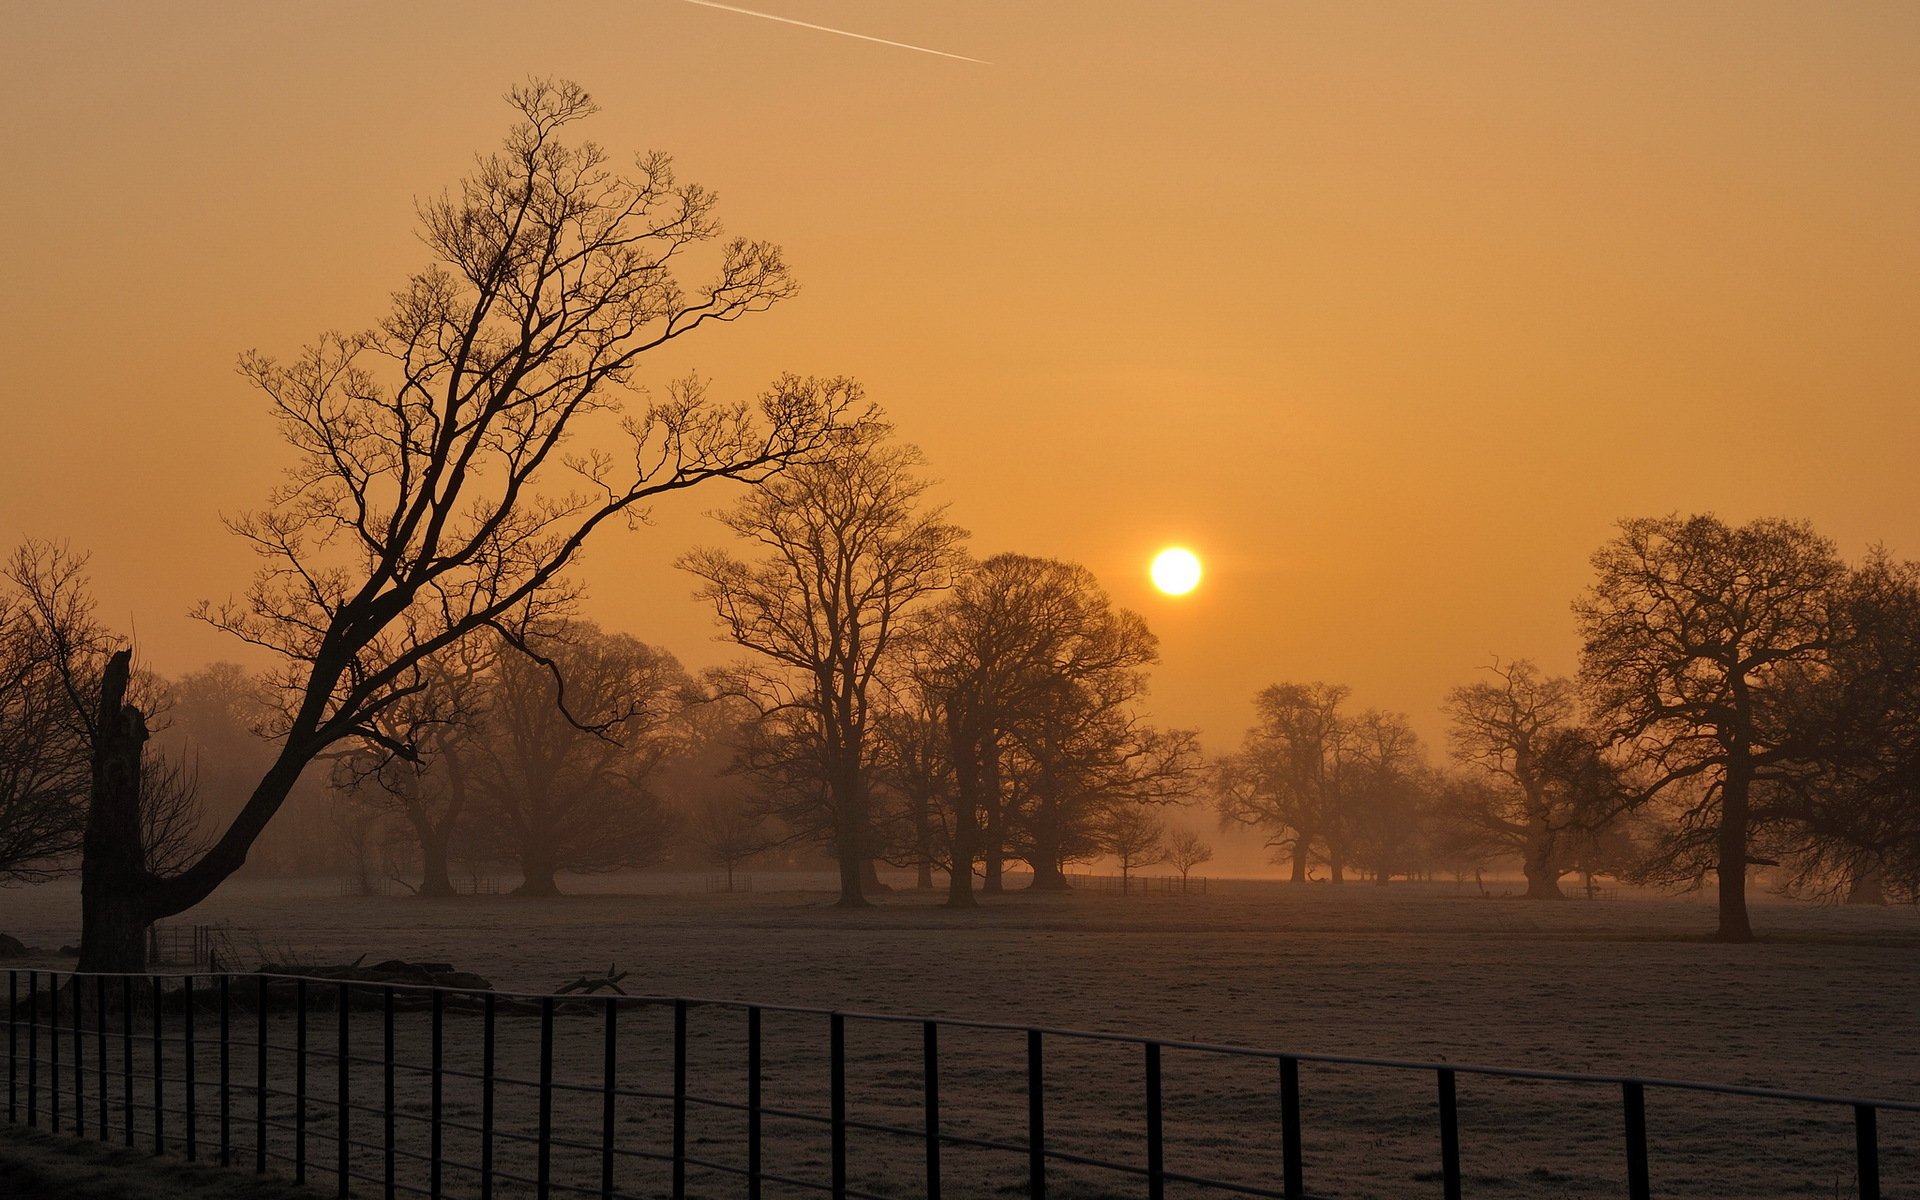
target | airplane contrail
x=829, y=29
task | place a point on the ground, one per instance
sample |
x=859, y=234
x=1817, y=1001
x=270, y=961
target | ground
x=1824, y=1003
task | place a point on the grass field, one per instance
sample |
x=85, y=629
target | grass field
x=1828, y=1002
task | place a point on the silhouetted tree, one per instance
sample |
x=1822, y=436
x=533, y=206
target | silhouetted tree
x=1695, y=633
x=417, y=767
x=1187, y=850
x=1546, y=783
x=1135, y=837
x=728, y=831
x=564, y=760
x=44, y=754
x=426, y=450
x=1283, y=779
x=1382, y=794
x=848, y=548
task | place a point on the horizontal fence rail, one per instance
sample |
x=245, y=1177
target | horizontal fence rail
x=402, y=1089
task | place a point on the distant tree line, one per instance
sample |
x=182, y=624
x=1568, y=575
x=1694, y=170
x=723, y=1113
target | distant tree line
x=1745, y=698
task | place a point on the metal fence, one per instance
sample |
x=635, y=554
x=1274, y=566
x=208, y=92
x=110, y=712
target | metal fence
x=309, y=1073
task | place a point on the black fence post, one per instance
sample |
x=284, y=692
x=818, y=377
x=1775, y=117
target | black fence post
x=300, y=1080
x=437, y=1091
x=226, y=1070
x=1866, y=1142
x=679, y=1100
x=33, y=1049
x=260, y=1079
x=544, y=1176
x=486, y=1097
x=837, y=1060
x=1449, y=1136
x=79, y=1062
x=930, y=1076
x=1036, y=1118
x=609, y=1065
x=100, y=1051
x=1293, y=1172
x=13, y=1046
x=343, y=1076
x=159, y=1075
x=1156, y=1150
x=753, y=1104
x=126, y=1056
x=53, y=1052
x=386, y=1098
x=186, y=1042
x=1633, y=1098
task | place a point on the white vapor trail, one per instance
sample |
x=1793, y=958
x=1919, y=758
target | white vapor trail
x=747, y=12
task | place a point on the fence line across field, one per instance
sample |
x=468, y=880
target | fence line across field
x=203, y=1058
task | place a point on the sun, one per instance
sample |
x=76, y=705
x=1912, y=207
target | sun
x=1176, y=571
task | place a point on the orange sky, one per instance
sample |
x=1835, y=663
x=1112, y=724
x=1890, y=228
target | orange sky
x=1387, y=310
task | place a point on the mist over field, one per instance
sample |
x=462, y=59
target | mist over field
x=689, y=599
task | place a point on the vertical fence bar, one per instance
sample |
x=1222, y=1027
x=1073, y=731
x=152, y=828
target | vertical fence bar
x=100, y=1051
x=343, y=1076
x=126, y=1056
x=79, y=1062
x=930, y=1078
x=386, y=1099
x=159, y=1075
x=486, y=1098
x=53, y=1052
x=1156, y=1151
x=837, y=1056
x=13, y=1046
x=1866, y=1142
x=33, y=1049
x=300, y=1081
x=1293, y=1171
x=186, y=1036
x=1036, y=1118
x=544, y=1176
x=1633, y=1099
x=608, y=1066
x=753, y=1104
x=679, y=1100
x=436, y=1086
x=1449, y=1136
x=260, y=1078
x=226, y=1070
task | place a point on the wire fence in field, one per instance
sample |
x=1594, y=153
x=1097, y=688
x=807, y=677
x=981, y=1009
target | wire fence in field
x=398, y=1089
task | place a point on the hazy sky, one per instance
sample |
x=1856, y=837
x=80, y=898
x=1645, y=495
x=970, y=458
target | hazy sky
x=1388, y=311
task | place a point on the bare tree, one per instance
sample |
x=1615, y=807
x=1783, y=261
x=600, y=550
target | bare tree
x=427, y=449
x=418, y=767
x=1187, y=850
x=1283, y=779
x=729, y=831
x=1548, y=788
x=564, y=774
x=1133, y=835
x=1694, y=634
x=847, y=549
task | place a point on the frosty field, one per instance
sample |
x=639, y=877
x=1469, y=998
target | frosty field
x=1826, y=1004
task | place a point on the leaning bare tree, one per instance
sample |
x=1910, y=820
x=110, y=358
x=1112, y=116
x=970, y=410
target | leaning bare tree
x=427, y=449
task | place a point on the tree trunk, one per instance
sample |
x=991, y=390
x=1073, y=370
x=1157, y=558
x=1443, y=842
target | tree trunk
x=923, y=875
x=870, y=879
x=966, y=810
x=1867, y=888
x=1302, y=851
x=1732, y=867
x=435, y=878
x=1536, y=860
x=993, y=846
x=114, y=908
x=537, y=876
x=1048, y=877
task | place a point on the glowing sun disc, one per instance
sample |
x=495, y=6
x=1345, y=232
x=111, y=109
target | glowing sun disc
x=1176, y=572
